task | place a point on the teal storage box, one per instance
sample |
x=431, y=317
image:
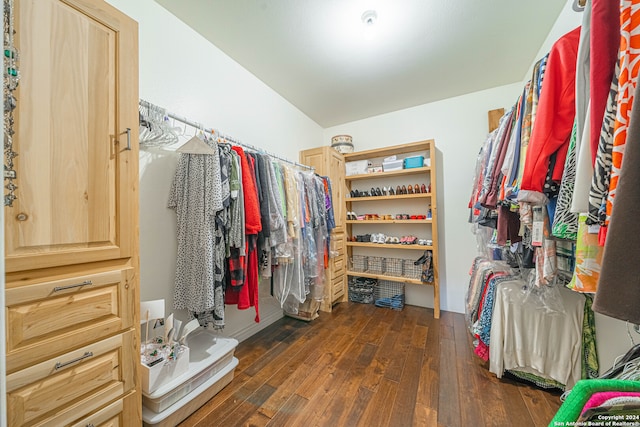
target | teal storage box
x=414, y=162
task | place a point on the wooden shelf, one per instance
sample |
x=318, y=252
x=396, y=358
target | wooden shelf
x=391, y=278
x=401, y=172
x=389, y=151
x=396, y=197
x=389, y=246
x=390, y=221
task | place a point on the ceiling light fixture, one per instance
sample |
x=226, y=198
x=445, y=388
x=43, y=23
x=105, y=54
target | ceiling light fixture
x=369, y=17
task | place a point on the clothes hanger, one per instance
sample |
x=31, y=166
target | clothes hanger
x=196, y=146
x=578, y=5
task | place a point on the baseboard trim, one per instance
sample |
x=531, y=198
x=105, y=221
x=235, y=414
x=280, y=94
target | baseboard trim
x=254, y=328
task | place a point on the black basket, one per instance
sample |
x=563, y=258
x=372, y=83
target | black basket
x=389, y=294
x=361, y=290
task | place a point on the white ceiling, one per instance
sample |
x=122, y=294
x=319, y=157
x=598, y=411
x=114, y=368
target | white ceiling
x=315, y=53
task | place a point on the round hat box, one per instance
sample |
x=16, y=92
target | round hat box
x=342, y=144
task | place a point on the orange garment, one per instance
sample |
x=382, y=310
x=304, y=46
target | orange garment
x=629, y=62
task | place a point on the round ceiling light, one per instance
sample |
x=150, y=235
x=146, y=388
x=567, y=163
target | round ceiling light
x=369, y=17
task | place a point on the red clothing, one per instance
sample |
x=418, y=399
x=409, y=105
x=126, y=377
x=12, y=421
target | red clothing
x=247, y=295
x=252, y=220
x=556, y=111
x=605, y=41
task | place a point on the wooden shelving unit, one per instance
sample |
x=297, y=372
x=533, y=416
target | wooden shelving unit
x=427, y=175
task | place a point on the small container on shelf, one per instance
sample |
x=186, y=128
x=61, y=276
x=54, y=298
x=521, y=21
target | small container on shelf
x=393, y=267
x=412, y=271
x=393, y=165
x=359, y=263
x=413, y=162
x=375, y=264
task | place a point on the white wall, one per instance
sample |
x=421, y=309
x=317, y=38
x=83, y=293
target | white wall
x=186, y=74
x=459, y=126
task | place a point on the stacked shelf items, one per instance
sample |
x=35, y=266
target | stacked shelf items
x=381, y=219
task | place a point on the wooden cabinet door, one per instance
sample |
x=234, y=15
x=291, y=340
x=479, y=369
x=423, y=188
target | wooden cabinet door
x=336, y=174
x=77, y=179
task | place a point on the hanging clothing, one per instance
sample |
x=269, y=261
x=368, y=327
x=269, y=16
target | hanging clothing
x=556, y=111
x=629, y=63
x=196, y=196
x=618, y=292
x=605, y=43
x=565, y=222
x=602, y=167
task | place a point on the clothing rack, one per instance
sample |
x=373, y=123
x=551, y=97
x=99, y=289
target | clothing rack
x=197, y=125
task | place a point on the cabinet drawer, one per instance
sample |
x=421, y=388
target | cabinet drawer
x=337, y=243
x=338, y=267
x=337, y=288
x=93, y=306
x=62, y=389
x=115, y=414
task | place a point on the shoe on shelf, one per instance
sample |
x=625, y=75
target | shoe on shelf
x=391, y=191
x=378, y=191
x=404, y=189
x=423, y=188
x=422, y=242
x=416, y=189
x=411, y=240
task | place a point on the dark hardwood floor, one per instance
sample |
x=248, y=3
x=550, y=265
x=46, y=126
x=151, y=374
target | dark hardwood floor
x=367, y=366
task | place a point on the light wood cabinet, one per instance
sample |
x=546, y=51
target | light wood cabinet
x=78, y=94
x=422, y=202
x=328, y=162
x=71, y=236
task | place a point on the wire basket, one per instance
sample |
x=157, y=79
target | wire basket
x=412, y=271
x=361, y=290
x=393, y=267
x=359, y=263
x=389, y=294
x=375, y=265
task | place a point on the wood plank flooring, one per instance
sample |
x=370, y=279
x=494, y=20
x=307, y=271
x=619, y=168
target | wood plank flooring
x=367, y=366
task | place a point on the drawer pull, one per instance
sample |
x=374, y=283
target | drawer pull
x=77, y=285
x=84, y=356
x=90, y=425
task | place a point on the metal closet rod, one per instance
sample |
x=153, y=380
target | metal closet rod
x=212, y=131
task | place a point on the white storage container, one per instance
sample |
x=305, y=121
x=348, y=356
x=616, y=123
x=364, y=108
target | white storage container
x=164, y=372
x=356, y=168
x=211, y=358
x=393, y=165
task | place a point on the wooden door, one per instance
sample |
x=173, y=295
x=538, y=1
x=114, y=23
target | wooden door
x=336, y=173
x=77, y=178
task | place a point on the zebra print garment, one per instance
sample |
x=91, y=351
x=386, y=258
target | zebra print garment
x=602, y=166
x=565, y=222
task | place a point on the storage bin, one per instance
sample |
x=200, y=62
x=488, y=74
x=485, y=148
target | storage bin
x=154, y=377
x=358, y=167
x=393, y=266
x=389, y=294
x=410, y=270
x=393, y=165
x=342, y=143
x=209, y=355
x=414, y=162
x=359, y=263
x=375, y=265
x=361, y=290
